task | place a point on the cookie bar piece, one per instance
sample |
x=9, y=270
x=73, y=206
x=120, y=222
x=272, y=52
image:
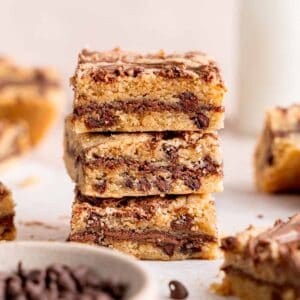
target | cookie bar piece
x=30, y=94
x=124, y=91
x=14, y=141
x=162, y=228
x=140, y=164
x=7, y=211
x=277, y=156
x=264, y=264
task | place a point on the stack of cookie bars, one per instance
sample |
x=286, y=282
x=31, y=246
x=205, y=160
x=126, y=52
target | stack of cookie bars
x=142, y=147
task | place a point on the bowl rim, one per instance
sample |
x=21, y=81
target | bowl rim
x=148, y=287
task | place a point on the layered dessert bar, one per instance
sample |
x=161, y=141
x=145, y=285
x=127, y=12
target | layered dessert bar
x=141, y=164
x=162, y=228
x=7, y=211
x=30, y=94
x=14, y=141
x=125, y=91
x=264, y=264
x=277, y=156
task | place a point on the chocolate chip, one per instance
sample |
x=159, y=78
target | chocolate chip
x=171, y=152
x=100, y=187
x=201, y=121
x=162, y=184
x=177, y=290
x=129, y=183
x=190, y=247
x=229, y=243
x=188, y=102
x=169, y=135
x=169, y=249
x=183, y=222
x=144, y=185
x=59, y=282
x=193, y=183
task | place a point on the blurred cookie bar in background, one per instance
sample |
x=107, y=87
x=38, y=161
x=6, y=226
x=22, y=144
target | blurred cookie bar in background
x=14, y=141
x=7, y=212
x=277, y=156
x=30, y=94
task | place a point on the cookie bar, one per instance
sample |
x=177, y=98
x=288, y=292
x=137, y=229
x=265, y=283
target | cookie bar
x=264, y=264
x=7, y=211
x=14, y=141
x=277, y=157
x=141, y=164
x=163, y=228
x=125, y=91
x=30, y=94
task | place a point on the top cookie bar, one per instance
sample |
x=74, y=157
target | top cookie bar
x=124, y=91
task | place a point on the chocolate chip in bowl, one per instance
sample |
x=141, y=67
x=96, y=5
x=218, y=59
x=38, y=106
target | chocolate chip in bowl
x=55, y=270
x=58, y=281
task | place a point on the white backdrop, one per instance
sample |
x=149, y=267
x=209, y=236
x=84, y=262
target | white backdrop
x=52, y=32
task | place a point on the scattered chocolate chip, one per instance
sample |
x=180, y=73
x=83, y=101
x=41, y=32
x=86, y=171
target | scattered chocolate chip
x=177, y=290
x=260, y=216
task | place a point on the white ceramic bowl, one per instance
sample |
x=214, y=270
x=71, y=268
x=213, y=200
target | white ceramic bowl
x=105, y=262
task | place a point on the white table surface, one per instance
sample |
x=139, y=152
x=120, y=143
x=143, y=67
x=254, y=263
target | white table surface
x=49, y=201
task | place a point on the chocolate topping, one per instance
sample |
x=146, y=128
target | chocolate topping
x=105, y=114
x=120, y=63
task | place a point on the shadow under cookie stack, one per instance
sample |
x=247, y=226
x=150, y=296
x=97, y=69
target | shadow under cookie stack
x=142, y=147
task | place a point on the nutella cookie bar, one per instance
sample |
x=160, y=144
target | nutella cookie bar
x=162, y=228
x=14, y=141
x=141, y=164
x=264, y=264
x=7, y=211
x=30, y=94
x=124, y=91
x=277, y=157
